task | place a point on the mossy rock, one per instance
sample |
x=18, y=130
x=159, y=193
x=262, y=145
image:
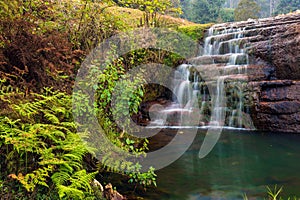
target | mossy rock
x=195, y=31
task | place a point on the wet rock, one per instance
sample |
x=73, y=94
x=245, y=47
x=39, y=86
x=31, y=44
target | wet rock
x=280, y=48
x=273, y=47
x=282, y=107
x=279, y=123
x=274, y=74
x=276, y=105
x=281, y=92
x=111, y=194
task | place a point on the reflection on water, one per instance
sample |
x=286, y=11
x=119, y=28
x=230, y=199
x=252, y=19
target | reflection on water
x=241, y=163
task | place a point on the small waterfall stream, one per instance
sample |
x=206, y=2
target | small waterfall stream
x=227, y=44
x=216, y=80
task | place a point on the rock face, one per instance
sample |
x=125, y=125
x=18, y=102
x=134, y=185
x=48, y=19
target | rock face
x=277, y=105
x=274, y=74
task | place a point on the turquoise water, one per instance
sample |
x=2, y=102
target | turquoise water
x=240, y=163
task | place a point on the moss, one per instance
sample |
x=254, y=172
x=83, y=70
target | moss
x=195, y=31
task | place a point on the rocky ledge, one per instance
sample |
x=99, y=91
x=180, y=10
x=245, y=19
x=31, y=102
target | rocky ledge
x=275, y=75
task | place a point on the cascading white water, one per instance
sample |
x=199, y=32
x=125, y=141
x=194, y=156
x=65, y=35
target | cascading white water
x=236, y=65
x=218, y=113
x=183, y=86
x=183, y=98
x=224, y=63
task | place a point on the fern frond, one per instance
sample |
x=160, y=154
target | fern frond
x=70, y=125
x=59, y=110
x=72, y=157
x=83, y=180
x=66, y=167
x=53, y=161
x=52, y=118
x=37, y=177
x=60, y=177
x=65, y=191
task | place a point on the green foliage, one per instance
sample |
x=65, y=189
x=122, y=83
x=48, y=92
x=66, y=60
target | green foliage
x=40, y=149
x=245, y=197
x=273, y=195
x=46, y=149
x=88, y=22
x=195, y=32
x=10, y=8
x=287, y=6
x=146, y=179
x=128, y=93
x=202, y=11
x=92, y=23
x=20, y=8
x=77, y=185
x=226, y=15
x=267, y=6
x=85, y=21
x=231, y=3
x=44, y=152
x=246, y=9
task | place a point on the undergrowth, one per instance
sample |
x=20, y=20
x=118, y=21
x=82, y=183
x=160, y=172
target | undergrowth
x=41, y=149
x=43, y=153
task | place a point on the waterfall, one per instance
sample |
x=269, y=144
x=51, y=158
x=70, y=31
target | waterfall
x=226, y=43
x=183, y=86
x=219, y=108
x=216, y=80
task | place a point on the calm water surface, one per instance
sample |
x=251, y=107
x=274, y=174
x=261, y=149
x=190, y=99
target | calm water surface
x=241, y=163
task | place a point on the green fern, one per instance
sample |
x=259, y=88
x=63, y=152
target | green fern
x=61, y=177
x=37, y=177
x=45, y=132
x=80, y=183
x=65, y=191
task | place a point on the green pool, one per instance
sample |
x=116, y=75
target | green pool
x=242, y=162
